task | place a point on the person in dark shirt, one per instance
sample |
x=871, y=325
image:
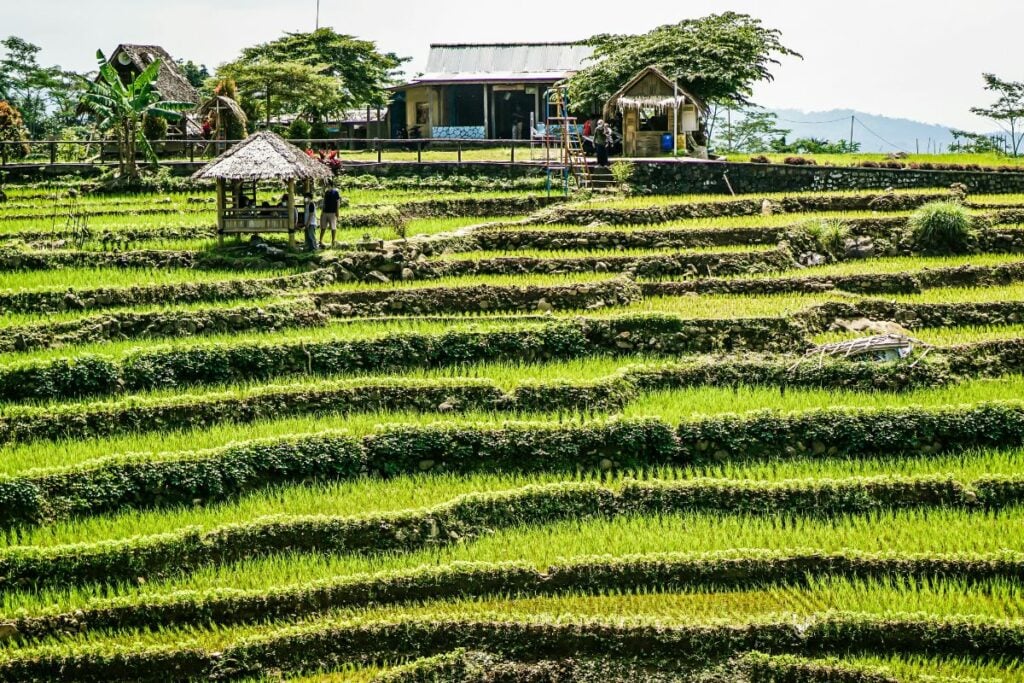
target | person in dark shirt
x=329, y=214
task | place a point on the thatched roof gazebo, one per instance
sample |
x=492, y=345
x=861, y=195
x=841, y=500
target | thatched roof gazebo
x=653, y=105
x=261, y=156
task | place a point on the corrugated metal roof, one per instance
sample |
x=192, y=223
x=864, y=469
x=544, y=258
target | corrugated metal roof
x=504, y=61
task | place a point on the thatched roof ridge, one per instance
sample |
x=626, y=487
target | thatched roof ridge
x=171, y=83
x=264, y=156
x=220, y=101
x=657, y=102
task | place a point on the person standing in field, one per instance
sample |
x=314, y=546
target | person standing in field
x=602, y=136
x=310, y=221
x=329, y=217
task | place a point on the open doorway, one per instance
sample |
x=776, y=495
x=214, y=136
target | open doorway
x=512, y=110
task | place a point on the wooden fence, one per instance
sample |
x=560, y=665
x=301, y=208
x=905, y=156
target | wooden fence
x=79, y=152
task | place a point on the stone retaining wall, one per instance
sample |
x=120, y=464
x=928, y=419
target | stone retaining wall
x=685, y=177
x=656, y=176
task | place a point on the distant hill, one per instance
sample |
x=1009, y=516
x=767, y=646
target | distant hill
x=874, y=133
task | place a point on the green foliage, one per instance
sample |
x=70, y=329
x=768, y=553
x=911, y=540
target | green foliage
x=299, y=131
x=829, y=235
x=759, y=668
x=46, y=96
x=241, y=499
x=120, y=110
x=277, y=87
x=154, y=128
x=293, y=649
x=1008, y=109
x=315, y=74
x=751, y=130
x=74, y=152
x=166, y=286
x=811, y=146
x=967, y=142
x=942, y=228
x=319, y=131
x=195, y=74
x=713, y=571
x=12, y=129
x=623, y=171
x=472, y=515
x=742, y=53
x=360, y=72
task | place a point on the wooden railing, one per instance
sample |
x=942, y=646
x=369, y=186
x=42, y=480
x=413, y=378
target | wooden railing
x=374, y=150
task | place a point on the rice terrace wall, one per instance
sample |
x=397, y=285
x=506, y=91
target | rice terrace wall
x=748, y=178
x=694, y=177
x=658, y=177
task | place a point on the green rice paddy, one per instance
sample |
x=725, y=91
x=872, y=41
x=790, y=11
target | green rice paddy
x=111, y=459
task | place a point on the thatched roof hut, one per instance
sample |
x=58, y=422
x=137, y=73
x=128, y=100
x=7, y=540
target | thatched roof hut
x=224, y=113
x=264, y=156
x=130, y=60
x=261, y=156
x=651, y=89
x=653, y=106
x=219, y=103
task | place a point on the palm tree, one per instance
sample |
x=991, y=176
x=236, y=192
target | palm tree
x=121, y=109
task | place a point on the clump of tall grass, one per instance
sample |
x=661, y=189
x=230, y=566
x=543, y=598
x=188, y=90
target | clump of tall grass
x=942, y=228
x=827, y=236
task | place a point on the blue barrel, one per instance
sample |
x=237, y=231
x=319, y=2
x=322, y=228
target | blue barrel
x=667, y=143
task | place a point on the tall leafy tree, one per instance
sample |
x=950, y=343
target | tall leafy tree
x=1008, y=109
x=749, y=130
x=814, y=146
x=284, y=87
x=974, y=143
x=360, y=71
x=195, y=74
x=38, y=92
x=719, y=57
x=120, y=109
x=12, y=130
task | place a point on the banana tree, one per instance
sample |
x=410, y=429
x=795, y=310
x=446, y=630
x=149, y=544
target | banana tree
x=120, y=109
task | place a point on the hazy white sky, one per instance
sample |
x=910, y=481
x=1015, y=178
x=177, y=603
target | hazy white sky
x=919, y=59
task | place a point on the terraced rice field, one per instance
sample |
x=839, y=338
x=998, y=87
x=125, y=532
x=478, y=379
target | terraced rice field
x=576, y=442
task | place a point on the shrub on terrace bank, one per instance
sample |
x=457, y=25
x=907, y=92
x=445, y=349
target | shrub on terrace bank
x=942, y=228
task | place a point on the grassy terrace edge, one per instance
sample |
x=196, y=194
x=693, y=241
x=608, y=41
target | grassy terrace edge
x=470, y=515
x=145, y=481
x=332, y=645
x=669, y=572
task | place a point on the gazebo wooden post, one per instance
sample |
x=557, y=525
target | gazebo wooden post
x=291, y=213
x=220, y=211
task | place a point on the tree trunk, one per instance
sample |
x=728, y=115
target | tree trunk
x=131, y=169
x=122, y=150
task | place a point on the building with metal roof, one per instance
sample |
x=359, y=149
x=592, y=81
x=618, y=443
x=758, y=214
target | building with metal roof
x=486, y=91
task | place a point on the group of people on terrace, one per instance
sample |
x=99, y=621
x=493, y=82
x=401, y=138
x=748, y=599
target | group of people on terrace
x=601, y=134
x=328, y=219
x=309, y=216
